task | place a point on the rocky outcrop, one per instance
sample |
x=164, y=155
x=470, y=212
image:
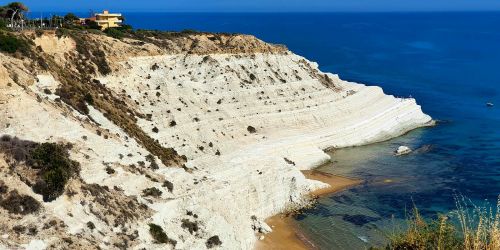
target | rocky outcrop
x=238, y=117
x=403, y=150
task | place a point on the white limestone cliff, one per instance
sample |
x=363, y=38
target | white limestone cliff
x=247, y=123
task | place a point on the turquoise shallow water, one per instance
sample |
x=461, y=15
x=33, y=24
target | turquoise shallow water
x=450, y=62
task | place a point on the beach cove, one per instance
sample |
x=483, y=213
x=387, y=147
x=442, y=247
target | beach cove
x=286, y=234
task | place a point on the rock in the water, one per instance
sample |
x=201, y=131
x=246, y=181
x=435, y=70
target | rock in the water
x=403, y=150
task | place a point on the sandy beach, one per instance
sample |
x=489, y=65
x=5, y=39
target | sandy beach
x=285, y=233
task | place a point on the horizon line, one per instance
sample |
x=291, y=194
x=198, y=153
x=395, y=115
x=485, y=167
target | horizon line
x=282, y=12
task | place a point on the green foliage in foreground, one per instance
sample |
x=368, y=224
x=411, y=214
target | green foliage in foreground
x=436, y=234
x=476, y=228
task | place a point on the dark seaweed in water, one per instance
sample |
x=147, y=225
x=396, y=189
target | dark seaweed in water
x=359, y=219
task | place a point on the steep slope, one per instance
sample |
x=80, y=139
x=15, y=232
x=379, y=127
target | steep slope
x=219, y=124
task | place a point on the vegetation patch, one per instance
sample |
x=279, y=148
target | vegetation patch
x=192, y=227
x=49, y=162
x=251, y=130
x=152, y=162
x=213, y=241
x=55, y=168
x=11, y=44
x=469, y=227
x=169, y=185
x=113, y=207
x=154, y=192
x=16, y=203
x=114, y=33
x=159, y=235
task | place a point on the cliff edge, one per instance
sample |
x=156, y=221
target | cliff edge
x=174, y=140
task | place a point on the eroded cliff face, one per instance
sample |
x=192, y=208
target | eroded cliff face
x=203, y=135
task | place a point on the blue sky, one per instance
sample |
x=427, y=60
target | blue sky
x=260, y=5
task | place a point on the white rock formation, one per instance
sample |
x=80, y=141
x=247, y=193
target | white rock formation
x=403, y=150
x=202, y=106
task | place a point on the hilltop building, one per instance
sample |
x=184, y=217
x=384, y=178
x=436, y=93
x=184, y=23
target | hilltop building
x=108, y=20
x=104, y=20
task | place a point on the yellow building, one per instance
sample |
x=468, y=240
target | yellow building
x=108, y=20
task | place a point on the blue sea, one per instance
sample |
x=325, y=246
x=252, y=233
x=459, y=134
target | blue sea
x=449, y=62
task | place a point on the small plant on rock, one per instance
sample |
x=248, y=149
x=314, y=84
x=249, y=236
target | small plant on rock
x=251, y=130
x=159, y=235
x=169, y=185
x=154, y=192
x=213, y=241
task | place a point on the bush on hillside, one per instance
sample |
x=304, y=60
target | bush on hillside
x=11, y=44
x=114, y=33
x=92, y=25
x=153, y=192
x=3, y=24
x=251, y=130
x=169, y=185
x=159, y=235
x=192, y=227
x=213, y=241
x=55, y=169
x=19, y=204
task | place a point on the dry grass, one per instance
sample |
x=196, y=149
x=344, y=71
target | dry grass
x=480, y=226
x=469, y=227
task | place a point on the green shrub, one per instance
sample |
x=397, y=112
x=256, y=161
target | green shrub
x=154, y=192
x=89, y=99
x=213, y=241
x=151, y=159
x=251, y=130
x=92, y=25
x=169, y=185
x=19, y=204
x=55, y=169
x=125, y=27
x=159, y=235
x=192, y=227
x=114, y=33
x=3, y=24
x=11, y=44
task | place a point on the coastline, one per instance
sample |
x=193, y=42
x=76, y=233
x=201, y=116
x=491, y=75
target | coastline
x=285, y=234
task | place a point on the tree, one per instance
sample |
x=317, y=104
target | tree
x=92, y=25
x=3, y=11
x=70, y=17
x=15, y=10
